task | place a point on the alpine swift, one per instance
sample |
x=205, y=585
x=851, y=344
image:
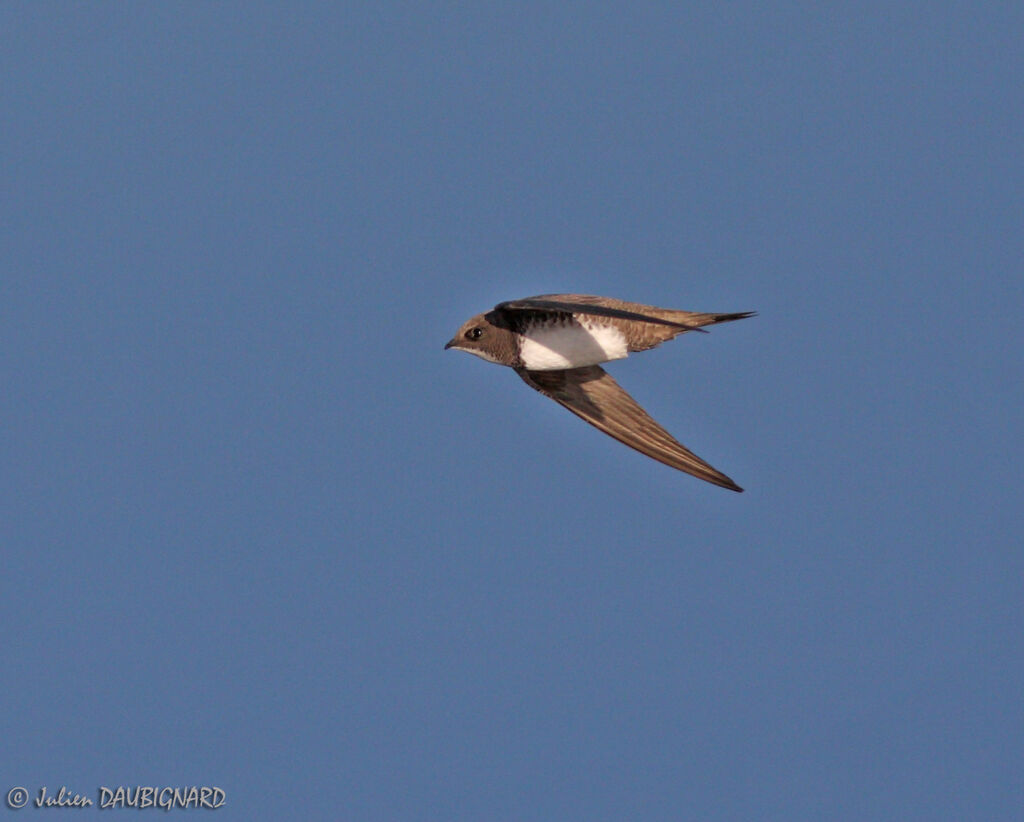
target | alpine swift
x=555, y=342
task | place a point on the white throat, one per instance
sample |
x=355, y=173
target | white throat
x=483, y=355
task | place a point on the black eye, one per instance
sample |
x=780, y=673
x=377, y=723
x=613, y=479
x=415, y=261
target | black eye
x=474, y=333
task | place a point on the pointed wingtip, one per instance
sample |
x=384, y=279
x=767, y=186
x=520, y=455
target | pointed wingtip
x=723, y=482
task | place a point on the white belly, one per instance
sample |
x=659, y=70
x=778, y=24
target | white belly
x=558, y=346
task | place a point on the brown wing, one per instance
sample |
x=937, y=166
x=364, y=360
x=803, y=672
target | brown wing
x=580, y=304
x=591, y=393
x=645, y=326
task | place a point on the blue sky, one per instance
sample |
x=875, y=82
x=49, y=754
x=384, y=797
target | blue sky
x=260, y=532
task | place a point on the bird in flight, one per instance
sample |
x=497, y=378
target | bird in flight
x=555, y=342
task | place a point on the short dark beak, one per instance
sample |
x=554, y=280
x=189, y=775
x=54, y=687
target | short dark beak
x=449, y=344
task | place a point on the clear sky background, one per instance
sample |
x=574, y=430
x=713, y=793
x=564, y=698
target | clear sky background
x=260, y=532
